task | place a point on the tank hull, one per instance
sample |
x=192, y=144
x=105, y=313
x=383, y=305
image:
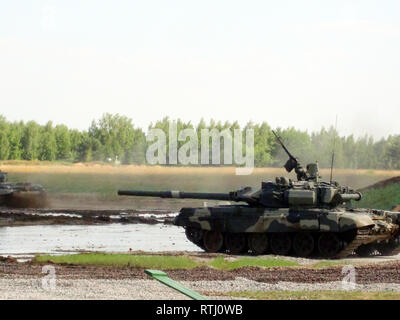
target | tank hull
x=332, y=233
x=22, y=195
x=24, y=199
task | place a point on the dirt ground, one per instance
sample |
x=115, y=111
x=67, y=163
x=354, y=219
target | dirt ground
x=25, y=217
x=367, y=272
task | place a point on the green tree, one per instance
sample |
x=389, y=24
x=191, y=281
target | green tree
x=4, y=143
x=30, y=141
x=47, y=143
x=63, y=142
x=324, y=143
x=264, y=142
x=393, y=152
x=15, y=133
x=350, y=152
x=114, y=136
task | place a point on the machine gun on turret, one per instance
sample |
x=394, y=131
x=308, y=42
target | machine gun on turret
x=293, y=163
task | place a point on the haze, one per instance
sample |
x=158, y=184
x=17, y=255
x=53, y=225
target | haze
x=289, y=63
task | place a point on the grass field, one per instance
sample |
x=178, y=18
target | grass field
x=160, y=261
x=122, y=260
x=381, y=198
x=180, y=262
x=223, y=264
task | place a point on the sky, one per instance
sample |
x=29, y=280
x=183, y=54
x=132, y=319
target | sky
x=289, y=63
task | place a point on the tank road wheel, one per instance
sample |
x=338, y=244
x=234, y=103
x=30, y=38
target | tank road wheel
x=213, y=241
x=281, y=244
x=258, y=243
x=329, y=245
x=389, y=248
x=365, y=250
x=194, y=235
x=235, y=243
x=303, y=244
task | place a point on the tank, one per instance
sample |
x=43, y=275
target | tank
x=21, y=195
x=306, y=217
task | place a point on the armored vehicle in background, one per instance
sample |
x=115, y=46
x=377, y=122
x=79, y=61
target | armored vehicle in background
x=285, y=217
x=21, y=195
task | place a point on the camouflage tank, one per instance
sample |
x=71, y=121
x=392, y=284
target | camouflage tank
x=21, y=195
x=301, y=218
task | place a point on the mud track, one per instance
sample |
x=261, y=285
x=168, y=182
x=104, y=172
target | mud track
x=20, y=217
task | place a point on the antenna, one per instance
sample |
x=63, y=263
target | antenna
x=333, y=151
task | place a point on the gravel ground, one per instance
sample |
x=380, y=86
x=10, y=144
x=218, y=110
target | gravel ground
x=242, y=284
x=32, y=288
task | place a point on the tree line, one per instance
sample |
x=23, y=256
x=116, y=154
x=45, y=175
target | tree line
x=114, y=136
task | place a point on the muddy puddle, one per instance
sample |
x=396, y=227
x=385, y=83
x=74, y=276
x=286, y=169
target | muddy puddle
x=25, y=241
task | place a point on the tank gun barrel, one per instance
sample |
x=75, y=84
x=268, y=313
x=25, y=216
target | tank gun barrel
x=351, y=196
x=340, y=198
x=178, y=195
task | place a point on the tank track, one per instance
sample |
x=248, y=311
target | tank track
x=394, y=252
x=362, y=237
x=390, y=249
